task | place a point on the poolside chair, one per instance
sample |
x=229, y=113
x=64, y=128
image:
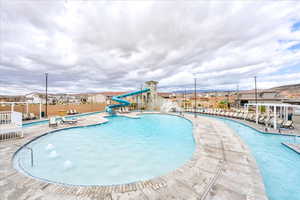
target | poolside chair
x=240, y=115
x=32, y=116
x=53, y=122
x=245, y=116
x=288, y=124
x=25, y=116
x=68, y=121
x=235, y=115
x=261, y=119
x=267, y=121
x=250, y=117
x=122, y=110
x=279, y=122
x=70, y=112
x=75, y=111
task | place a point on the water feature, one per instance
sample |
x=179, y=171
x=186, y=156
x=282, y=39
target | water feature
x=170, y=106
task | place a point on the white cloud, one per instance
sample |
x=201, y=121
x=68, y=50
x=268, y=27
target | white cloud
x=93, y=46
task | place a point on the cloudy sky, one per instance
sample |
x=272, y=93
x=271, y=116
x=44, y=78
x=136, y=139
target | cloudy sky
x=89, y=46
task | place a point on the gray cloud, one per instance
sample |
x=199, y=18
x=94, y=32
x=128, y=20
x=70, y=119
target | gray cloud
x=95, y=46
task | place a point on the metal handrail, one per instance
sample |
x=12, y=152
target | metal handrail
x=31, y=153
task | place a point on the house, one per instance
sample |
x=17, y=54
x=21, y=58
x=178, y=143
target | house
x=165, y=95
x=35, y=98
x=266, y=96
x=96, y=98
x=5, y=98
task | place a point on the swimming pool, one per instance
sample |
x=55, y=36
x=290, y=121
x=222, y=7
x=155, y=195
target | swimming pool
x=30, y=124
x=279, y=166
x=124, y=150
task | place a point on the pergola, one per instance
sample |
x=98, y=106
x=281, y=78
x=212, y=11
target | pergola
x=12, y=105
x=282, y=109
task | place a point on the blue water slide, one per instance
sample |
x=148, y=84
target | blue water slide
x=123, y=102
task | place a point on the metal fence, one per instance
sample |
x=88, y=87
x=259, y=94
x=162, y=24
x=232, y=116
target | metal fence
x=10, y=125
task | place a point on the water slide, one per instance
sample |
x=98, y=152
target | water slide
x=122, y=101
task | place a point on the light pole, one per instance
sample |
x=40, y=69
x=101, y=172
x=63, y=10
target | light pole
x=255, y=90
x=195, y=95
x=238, y=95
x=184, y=105
x=227, y=99
x=141, y=95
x=46, y=112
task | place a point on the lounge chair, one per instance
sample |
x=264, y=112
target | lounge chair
x=267, y=121
x=68, y=121
x=279, y=123
x=70, y=112
x=53, y=122
x=250, y=117
x=25, y=116
x=261, y=119
x=288, y=124
x=240, y=115
x=32, y=116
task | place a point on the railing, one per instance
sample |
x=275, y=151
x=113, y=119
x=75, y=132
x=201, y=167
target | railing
x=16, y=118
x=10, y=125
x=5, y=117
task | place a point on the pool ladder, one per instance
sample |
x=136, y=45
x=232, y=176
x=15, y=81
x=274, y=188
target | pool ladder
x=31, y=154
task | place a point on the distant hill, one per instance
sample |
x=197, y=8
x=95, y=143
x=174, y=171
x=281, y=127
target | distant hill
x=292, y=88
x=288, y=90
x=202, y=91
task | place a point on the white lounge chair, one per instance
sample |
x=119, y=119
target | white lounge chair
x=126, y=109
x=25, y=116
x=53, y=121
x=32, y=116
x=288, y=124
x=68, y=121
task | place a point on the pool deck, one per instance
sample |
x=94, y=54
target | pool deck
x=222, y=168
x=261, y=128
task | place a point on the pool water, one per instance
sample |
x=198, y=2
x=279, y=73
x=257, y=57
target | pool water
x=121, y=151
x=279, y=165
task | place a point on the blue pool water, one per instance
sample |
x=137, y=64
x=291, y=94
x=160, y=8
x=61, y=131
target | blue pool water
x=121, y=151
x=279, y=166
x=30, y=124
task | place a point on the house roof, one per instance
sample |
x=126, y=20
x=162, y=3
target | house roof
x=112, y=93
x=164, y=94
x=261, y=95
